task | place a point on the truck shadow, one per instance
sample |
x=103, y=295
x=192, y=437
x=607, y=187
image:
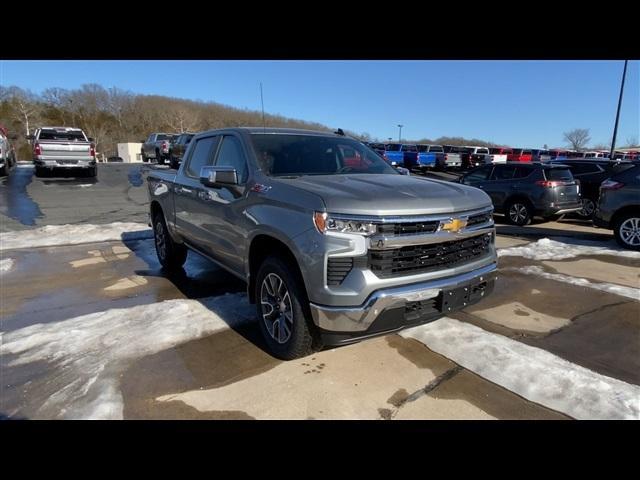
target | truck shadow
x=200, y=279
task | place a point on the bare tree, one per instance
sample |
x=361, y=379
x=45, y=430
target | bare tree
x=26, y=109
x=577, y=138
x=180, y=119
x=632, y=141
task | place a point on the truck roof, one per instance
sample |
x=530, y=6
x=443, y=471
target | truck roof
x=65, y=129
x=273, y=130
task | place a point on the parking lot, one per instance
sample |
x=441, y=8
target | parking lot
x=93, y=328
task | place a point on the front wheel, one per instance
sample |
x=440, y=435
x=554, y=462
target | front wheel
x=170, y=254
x=280, y=301
x=626, y=229
x=518, y=212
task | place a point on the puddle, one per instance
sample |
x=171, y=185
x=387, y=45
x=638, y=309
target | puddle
x=14, y=200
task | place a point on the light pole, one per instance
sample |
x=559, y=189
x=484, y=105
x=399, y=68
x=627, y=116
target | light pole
x=400, y=133
x=615, y=129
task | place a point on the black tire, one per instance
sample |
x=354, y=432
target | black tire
x=145, y=159
x=159, y=159
x=173, y=163
x=92, y=172
x=39, y=171
x=626, y=229
x=588, y=209
x=300, y=340
x=518, y=212
x=173, y=255
x=4, y=171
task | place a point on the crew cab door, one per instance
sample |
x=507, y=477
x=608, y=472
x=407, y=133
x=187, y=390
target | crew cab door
x=501, y=184
x=190, y=216
x=222, y=206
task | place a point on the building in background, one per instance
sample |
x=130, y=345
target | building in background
x=130, y=152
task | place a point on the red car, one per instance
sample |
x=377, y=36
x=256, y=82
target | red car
x=520, y=155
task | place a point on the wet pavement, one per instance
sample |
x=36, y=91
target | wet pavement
x=100, y=331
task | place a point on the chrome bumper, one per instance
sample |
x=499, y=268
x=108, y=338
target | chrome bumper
x=359, y=319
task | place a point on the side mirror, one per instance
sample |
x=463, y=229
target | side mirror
x=403, y=171
x=214, y=176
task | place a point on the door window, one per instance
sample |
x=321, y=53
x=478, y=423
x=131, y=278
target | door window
x=202, y=155
x=231, y=155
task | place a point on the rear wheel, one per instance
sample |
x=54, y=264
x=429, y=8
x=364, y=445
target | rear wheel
x=170, y=254
x=145, y=159
x=588, y=209
x=159, y=159
x=280, y=301
x=626, y=229
x=39, y=171
x=518, y=212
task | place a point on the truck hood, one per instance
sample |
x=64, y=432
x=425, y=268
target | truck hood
x=384, y=195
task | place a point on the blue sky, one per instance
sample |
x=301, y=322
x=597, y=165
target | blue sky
x=519, y=103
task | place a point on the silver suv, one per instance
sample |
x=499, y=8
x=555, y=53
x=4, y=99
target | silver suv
x=334, y=244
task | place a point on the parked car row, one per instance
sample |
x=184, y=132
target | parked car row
x=422, y=157
x=165, y=147
x=608, y=192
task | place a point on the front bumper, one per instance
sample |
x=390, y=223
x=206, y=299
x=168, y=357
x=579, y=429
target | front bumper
x=394, y=308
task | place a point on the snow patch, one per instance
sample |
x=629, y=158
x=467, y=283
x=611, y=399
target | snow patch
x=87, y=354
x=629, y=292
x=530, y=372
x=6, y=264
x=53, y=235
x=547, y=249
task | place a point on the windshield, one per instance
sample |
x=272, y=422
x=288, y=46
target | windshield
x=76, y=136
x=423, y=148
x=393, y=147
x=295, y=155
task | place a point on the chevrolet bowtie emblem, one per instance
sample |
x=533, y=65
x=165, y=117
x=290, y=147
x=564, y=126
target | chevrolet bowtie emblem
x=454, y=225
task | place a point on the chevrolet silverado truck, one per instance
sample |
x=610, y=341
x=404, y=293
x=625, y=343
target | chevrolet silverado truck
x=63, y=148
x=156, y=147
x=331, y=253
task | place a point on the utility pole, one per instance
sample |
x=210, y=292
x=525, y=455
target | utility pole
x=615, y=129
x=400, y=133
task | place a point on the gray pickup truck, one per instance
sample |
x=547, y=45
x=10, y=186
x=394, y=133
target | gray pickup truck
x=156, y=147
x=334, y=244
x=63, y=148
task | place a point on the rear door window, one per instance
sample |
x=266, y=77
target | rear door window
x=522, y=172
x=478, y=175
x=503, y=172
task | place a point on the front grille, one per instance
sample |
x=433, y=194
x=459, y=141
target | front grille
x=426, y=258
x=479, y=219
x=412, y=228
x=338, y=269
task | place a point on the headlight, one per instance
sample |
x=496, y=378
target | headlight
x=326, y=223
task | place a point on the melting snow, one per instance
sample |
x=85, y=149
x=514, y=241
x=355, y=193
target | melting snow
x=87, y=354
x=52, y=235
x=6, y=264
x=531, y=372
x=547, y=249
x=633, y=293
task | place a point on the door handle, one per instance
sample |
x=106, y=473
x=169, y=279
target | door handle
x=180, y=190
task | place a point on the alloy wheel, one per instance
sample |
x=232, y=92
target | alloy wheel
x=630, y=231
x=277, y=310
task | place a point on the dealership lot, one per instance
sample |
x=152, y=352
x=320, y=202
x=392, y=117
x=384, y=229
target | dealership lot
x=97, y=330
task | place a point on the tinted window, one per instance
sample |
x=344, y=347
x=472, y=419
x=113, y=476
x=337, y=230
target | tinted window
x=436, y=148
x=503, y=172
x=231, y=155
x=478, y=175
x=560, y=174
x=423, y=148
x=62, y=135
x=393, y=147
x=409, y=148
x=201, y=155
x=522, y=172
x=294, y=155
x=162, y=136
x=582, y=168
x=483, y=151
